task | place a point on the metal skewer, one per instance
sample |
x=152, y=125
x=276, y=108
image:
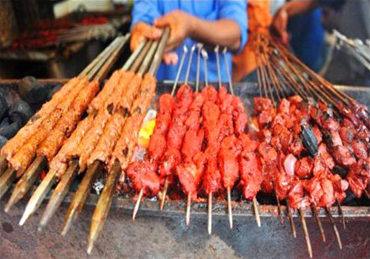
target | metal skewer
x=188, y=204
x=185, y=51
x=189, y=64
x=199, y=46
x=153, y=70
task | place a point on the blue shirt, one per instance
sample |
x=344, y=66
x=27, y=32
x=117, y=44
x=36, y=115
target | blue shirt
x=307, y=37
x=149, y=10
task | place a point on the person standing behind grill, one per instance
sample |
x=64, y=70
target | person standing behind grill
x=210, y=22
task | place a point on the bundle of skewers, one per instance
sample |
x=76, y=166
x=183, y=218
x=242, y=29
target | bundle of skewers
x=57, y=141
x=306, y=144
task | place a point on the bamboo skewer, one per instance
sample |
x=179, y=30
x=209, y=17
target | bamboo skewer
x=321, y=229
x=89, y=72
x=3, y=165
x=80, y=196
x=109, y=57
x=59, y=194
x=27, y=180
x=340, y=210
x=83, y=191
x=6, y=180
x=291, y=221
x=305, y=232
x=328, y=212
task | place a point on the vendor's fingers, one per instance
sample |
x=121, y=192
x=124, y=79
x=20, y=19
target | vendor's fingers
x=170, y=58
x=141, y=31
x=163, y=21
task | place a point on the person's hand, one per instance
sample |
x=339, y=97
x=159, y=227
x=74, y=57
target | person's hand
x=143, y=30
x=180, y=24
x=279, y=25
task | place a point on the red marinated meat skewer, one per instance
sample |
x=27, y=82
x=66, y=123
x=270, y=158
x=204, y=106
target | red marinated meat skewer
x=190, y=170
x=138, y=174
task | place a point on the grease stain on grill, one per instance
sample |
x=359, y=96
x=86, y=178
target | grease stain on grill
x=8, y=228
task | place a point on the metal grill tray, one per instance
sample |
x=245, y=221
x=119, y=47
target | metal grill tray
x=245, y=91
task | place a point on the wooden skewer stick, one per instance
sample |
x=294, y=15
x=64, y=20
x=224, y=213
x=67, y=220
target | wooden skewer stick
x=80, y=196
x=103, y=206
x=137, y=205
x=342, y=215
x=164, y=194
x=279, y=210
x=59, y=194
x=3, y=164
x=256, y=212
x=319, y=224
x=6, y=180
x=38, y=196
x=230, y=210
x=27, y=180
x=328, y=212
x=210, y=213
x=188, y=204
x=305, y=232
x=291, y=221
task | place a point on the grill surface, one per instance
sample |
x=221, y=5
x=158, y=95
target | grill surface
x=165, y=235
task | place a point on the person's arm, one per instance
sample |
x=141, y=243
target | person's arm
x=281, y=18
x=229, y=31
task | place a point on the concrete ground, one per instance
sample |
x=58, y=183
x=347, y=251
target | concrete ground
x=163, y=237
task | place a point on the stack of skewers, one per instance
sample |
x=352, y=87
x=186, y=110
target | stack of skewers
x=56, y=140
x=306, y=144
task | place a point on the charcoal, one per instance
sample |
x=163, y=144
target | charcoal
x=32, y=91
x=10, y=130
x=5, y=122
x=3, y=105
x=3, y=141
x=20, y=112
